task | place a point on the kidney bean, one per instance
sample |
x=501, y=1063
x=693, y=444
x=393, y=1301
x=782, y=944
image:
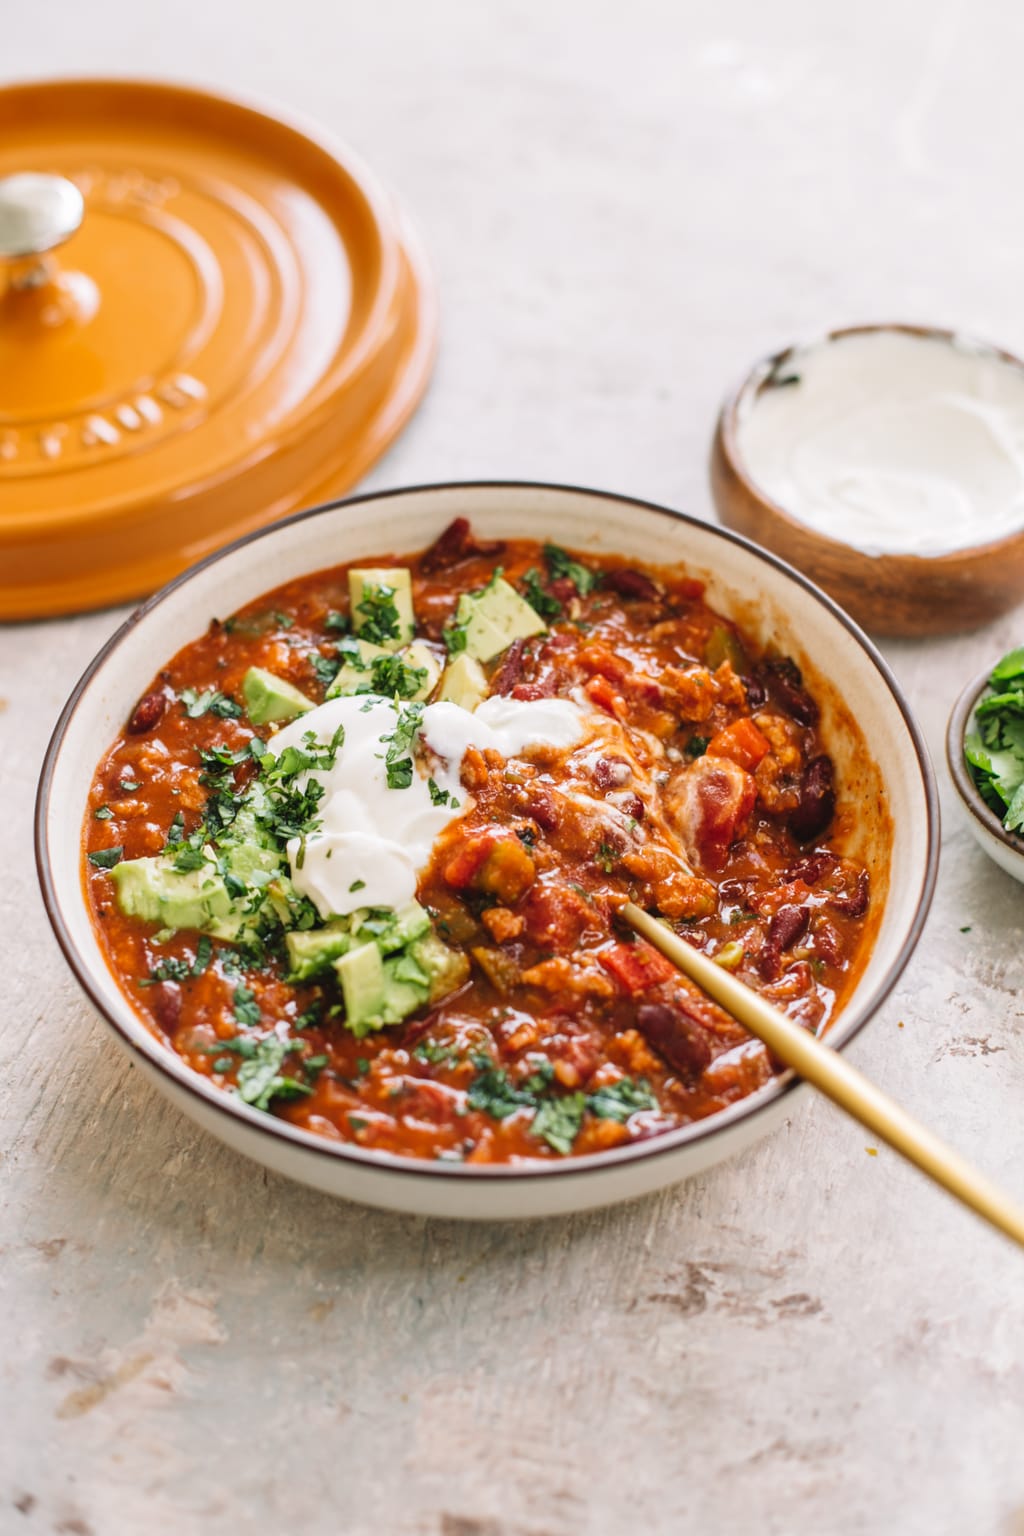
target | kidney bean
x=787, y=926
x=148, y=712
x=612, y=772
x=454, y=544
x=510, y=668
x=681, y=1040
x=167, y=1005
x=817, y=802
x=632, y=584
x=542, y=807
x=785, y=680
x=757, y=693
x=827, y=943
x=853, y=903
x=813, y=867
x=629, y=804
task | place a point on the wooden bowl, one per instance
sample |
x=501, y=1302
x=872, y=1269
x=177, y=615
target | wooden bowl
x=890, y=594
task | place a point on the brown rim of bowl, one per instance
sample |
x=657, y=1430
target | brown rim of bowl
x=757, y=376
x=963, y=780
x=169, y=1065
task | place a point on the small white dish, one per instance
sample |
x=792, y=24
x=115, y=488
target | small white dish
x=1006, y=848
x=896, y=833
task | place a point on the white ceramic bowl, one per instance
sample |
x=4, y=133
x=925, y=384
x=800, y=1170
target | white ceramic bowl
x=1006, y=848
x=855, y=688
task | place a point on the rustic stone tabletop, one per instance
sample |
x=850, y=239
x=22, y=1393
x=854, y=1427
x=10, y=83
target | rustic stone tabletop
x=624, y=206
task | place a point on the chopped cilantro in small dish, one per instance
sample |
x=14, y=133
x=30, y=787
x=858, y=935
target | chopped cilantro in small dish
x=994, y=749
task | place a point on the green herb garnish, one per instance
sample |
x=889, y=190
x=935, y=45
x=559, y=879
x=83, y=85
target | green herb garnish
x=995, y=750
x=544, y=603
x=260, y=1078
x=560, y=563
x=103, y=813
x=558, y=1121
x=381, y=621
x=246, y=1008
x=106, y=858
x=212, y=701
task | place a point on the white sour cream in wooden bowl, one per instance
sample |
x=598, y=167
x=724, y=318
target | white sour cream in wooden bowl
x=892, y=442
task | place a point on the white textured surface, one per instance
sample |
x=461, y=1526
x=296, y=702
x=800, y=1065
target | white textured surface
x=624, y=209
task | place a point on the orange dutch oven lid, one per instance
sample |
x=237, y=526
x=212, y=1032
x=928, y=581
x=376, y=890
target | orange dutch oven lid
x=208, y=319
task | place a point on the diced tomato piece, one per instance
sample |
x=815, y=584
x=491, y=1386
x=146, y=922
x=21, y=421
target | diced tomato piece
x=602, y=660
x=637, y=967
x=741, y=742
x=556, y=917
x=600, y=690
x=492, y=860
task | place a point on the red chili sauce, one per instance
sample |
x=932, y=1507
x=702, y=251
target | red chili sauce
x=568, y=1036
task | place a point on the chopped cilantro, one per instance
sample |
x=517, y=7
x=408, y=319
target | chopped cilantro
x=434, y=1055
x=390, y=677
x=494, y=1094
x=606, y=857
x=176, y=830
x=103, y=813
x=559, y=563
x=397, y=762
x=168, y=969
x=246, y=1008
x=381, y=621
x=439, y=796
x=189, y=858
x=357, y=885
x=130, y=785
x=399, y=774
x=260, y=1079
x=540, y=601
x=283, y=620
x=455, y=637
x=325, y=668
x=212, y=701
x=558, y=1121
x=338, y=622
x=697, y=746
x=617, y=1101
x=204, y=949
x=106, y=858
x=995, y=750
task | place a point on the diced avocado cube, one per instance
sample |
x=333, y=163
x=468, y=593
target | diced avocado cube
x=354, y=673
x=406, y=988
x=154, y=891
x=361, y=973
x=495, y=617
x=464, y=682
x=270, y=698
x=381, y=599
x=421, y=658
x=390, y=930
x=315, y=950
x=446, y=968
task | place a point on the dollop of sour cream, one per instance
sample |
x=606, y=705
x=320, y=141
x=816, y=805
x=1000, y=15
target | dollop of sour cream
x=891, y=442
x=373, y=840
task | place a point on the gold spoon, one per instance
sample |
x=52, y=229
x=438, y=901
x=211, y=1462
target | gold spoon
x=820, y=1065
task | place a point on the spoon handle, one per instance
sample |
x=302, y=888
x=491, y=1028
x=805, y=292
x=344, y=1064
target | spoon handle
x=820, y=1065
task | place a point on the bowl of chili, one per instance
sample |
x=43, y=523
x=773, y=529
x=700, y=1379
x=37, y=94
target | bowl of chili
x=663, y=712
